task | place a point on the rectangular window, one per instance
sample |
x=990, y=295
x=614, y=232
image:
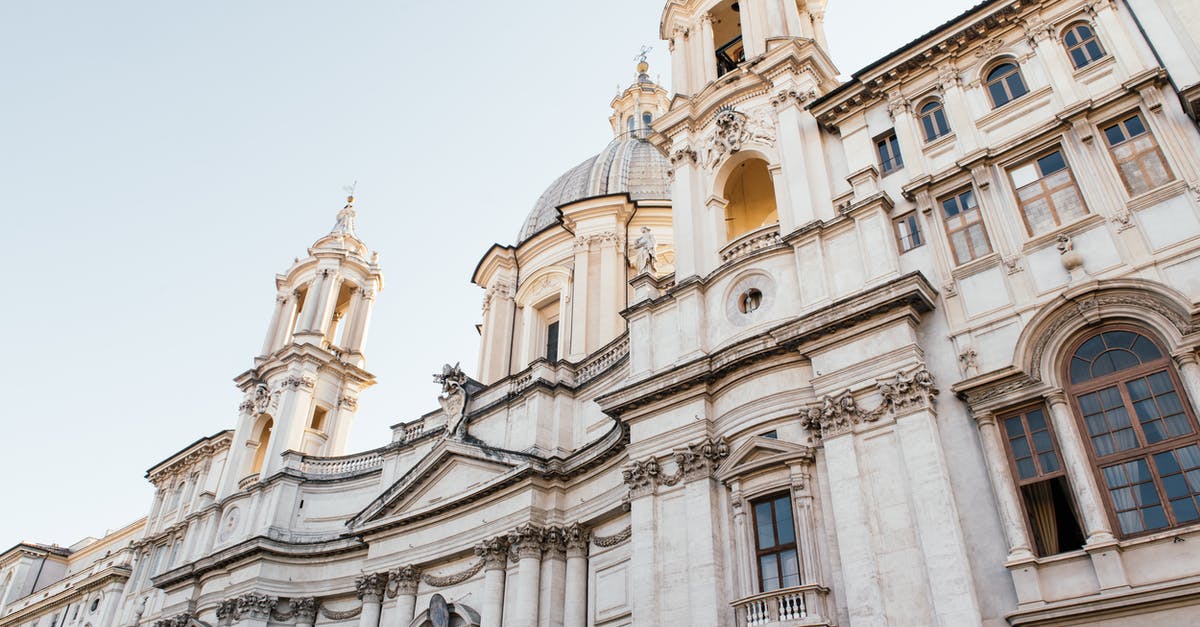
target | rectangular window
x=1045, y=494
x=1047, y=193
x=775, y=541
x=1137, y=155
x=908, y=232
x=889, y=153
x=552, y=342
x=964, y=227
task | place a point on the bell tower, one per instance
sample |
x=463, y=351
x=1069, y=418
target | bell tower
x=302, y=393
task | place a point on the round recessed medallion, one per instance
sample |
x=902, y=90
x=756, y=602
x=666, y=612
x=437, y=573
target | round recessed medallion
x=748, y=297
x=229, y=523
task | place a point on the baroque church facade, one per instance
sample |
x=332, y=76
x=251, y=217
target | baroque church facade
x=914, y=348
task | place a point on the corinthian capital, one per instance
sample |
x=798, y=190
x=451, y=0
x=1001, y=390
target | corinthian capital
x=493, y=552
x=527, y=540
x=370, y=587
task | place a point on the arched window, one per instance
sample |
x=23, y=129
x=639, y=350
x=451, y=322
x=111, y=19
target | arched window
x=933, y=120
x=647, y=118
x=1005, y=84
x=1082, y=45
x=750, y=194
x=632, y=124
x=1141, y=432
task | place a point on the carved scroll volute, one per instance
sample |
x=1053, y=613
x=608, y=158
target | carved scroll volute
x=577, y=539
x=527, y=540
x=370, y=588
x=493, y=552
x=403, y=580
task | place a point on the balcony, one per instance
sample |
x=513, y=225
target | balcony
x=798, y=605
x=751, y=242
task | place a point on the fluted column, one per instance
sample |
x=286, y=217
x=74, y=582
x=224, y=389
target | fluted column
x=494, y=553
x=403, y=582
x=741, y=541
x=370, y=589
x=552, y=594
x=1189, y=372
x=527, y=539
x=1079, y=470
x=708, y=50
x=575, y=604
x=1007, y=499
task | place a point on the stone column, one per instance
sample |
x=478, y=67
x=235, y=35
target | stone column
x=1005, y=490
x=403, y=582
x=679, y=64
x=958, y=111
x=1045, y=44
x=1079, y=471
x=1189, y=372
x=494, y=553
x=527, y=539
x=796, y=206
x=742, y=539
x=552, y=595
x=575, y=604
x=306, y=611
x=353, y=318
x=708, y=50
x=1116, y=38
x=370, y=589
x=818, y=182
x=806, y=520
x=612, y=286
x=277, y=320
x=312, y=302
x=905, y=126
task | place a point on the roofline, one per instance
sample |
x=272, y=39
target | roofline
x=172, y=456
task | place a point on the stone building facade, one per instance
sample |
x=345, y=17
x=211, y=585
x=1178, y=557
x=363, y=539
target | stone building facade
x=915, y=348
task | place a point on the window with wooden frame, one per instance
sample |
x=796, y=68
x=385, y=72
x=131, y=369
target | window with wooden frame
x=1037, y=468
x=1004, y=84
x=1082, y=45
x=1047, y=193
x=775, y=543
x=1140, y=428
x=1137, y=155
x=908, y=232
x=964, y=226
x=933, y=120
x=888, y=148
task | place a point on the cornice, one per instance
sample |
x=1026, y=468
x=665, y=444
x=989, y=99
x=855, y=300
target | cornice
x=257, y=547
x=89, y=585
x=911, y=291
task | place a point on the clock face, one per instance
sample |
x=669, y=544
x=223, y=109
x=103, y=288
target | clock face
x=229, y=523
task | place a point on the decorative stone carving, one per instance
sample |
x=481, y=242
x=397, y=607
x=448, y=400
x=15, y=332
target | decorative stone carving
x=453, y=399
x=296, y=382
x=499, y=289
x=730, y=134
x=338, y=615
x=792, y=96
x=897, y=105
x=1071, y=260
x=683, y=156
x=645, y=247
x=554, y=542
x=493, y=552
x=947, y=76
x=403, y=580
x=912, y=389
x=699, y=460
x=348, y=401
x=615, y=539
x=904, y=391
x=305, y=610
x=641, y=477
x=577, y=537
x=345, y=219
x=254, y=606
x=969, y=360
x=527, y=540
x=990, y=47
x=441, y=581
x=370, y=587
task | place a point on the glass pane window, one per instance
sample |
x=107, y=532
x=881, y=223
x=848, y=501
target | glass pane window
x=933, y=120
x=775, y=543
x=964, y=227
x=1031, y=445
x=1136, y=153
x=1005, y=84
x=1082, y=45
x=1047, y=193
x=889, y=153
x=908, y=232
x=1134, y=497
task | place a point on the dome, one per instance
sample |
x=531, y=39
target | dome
x=627, y=165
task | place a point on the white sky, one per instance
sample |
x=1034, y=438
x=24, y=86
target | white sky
x=161, y=161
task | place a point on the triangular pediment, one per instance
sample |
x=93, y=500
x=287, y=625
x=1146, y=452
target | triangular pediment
x=451, y=471
x=761, y=452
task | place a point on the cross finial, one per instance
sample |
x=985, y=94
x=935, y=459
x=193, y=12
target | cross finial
x=641, y=55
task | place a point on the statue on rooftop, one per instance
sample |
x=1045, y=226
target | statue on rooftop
x=453, y=399
x=647, y=254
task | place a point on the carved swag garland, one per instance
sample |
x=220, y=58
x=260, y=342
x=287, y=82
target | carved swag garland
x=694, y=461
x=912, y=389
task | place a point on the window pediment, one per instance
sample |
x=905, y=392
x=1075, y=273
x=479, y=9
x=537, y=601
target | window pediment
x=759, y=453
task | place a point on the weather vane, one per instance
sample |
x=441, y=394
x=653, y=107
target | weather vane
x=641, y=55
x=349, y=189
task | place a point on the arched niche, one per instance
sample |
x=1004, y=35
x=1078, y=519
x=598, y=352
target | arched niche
x=747, y=187
x=262, y=441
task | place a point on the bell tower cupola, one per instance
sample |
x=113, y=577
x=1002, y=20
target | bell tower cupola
x=637, y=107
x=303, y=391
x=711, y=39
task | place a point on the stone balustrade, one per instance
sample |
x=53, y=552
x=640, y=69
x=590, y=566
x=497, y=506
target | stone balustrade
x=344, y=466
x=599, y=362
x=758, y=239
x=787, y=606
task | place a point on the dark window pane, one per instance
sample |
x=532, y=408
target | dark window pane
x=1114, y=134
x=1080, y=370
x=1135, y=126
x=1025, y=468
x=783, y=521
x=1175, y=487
x=1037, y=421
x=1072, y=39
x=1184, y=510
x=1016, y=85
x=1093, y=50
x=930, y=133
x=1000, y=70
x=762, y=517
x=1020, y=447
x=1049, y=462
x=999, y=97
x=1119, y=339
x=1155, y=517
x=1041, y=441
x=1161, y=382
x=769, y=568
x=1051, y=163
x=1090, y=349
x=791, y=569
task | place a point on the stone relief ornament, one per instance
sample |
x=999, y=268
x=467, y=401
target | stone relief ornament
x=693, y=461
x=254, y=606
x=370, y=587
x=403, y=580
x=453, y=399
x=833, y=416
x=645, y=247
x=492, y=552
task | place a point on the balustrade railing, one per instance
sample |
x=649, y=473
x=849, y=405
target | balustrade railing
x=758, y=239
x=347, y=465
x=780, y=607
x=601, y=361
